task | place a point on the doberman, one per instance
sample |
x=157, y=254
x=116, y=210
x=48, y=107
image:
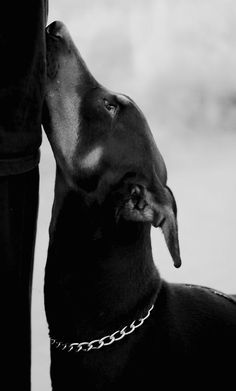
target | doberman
x=113, y=321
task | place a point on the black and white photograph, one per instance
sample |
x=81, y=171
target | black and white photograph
x=117, y=194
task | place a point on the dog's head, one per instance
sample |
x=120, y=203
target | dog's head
x=102, y=142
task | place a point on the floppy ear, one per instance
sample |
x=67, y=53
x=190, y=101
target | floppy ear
x=159, y=209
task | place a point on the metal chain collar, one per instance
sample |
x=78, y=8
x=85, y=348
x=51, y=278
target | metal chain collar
x=105, y=341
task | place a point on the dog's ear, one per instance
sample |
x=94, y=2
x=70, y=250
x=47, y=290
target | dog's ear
x=157, y=207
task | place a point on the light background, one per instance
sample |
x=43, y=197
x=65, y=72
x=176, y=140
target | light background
x=176, y=59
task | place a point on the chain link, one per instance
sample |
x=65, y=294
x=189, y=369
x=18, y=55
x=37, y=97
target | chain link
x=104, y=341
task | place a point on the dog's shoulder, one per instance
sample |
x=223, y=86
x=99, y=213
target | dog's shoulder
x=213, y=295
x=197, y=310
x=195, y=321
x=200, y=299
x=194, y=327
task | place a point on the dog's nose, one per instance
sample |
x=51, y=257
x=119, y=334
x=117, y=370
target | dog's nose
x=56, y=29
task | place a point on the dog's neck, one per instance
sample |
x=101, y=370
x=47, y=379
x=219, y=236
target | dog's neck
x=100, y=277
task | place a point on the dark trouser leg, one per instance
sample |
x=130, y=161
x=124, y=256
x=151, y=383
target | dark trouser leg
x=18, y=218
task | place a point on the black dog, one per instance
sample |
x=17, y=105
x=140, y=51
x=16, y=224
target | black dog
x=114, y=323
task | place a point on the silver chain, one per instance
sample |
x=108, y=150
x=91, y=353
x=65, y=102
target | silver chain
x=105, y=341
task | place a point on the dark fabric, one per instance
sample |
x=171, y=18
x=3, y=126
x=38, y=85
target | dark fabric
x=19, y=165
x=22, y=78
x=18, y=217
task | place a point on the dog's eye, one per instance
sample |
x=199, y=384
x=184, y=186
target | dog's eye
x=109, y=107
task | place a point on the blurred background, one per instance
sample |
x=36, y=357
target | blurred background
x=177, y=60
